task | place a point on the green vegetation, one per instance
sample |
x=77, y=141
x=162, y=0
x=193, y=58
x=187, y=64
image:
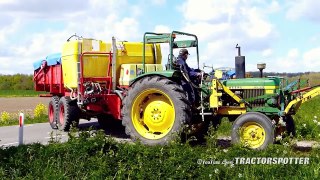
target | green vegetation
x=27, y=120
x=20, y=93
x=308, y=120
x=99, y=157
x=39, y=116
x=17, y=85
x=16, y=82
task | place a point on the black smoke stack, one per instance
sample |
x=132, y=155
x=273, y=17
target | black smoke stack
x=240, y=64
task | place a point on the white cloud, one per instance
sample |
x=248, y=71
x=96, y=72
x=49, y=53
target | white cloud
x=99, y=20
x=293, y=53
x=274, y=7
x=5, y=31
x=255, y=26
x=308, y=9
x=311, y=59
x=57, y=9
x=267, y=52
x=207, y=10
x=159, y=2
x=220, y=25
x=292, y=62
x=162, y=29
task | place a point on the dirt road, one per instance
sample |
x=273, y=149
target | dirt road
x=26, y=104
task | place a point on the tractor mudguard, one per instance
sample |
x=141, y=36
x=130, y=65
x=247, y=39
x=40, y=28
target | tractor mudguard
x=167, y=74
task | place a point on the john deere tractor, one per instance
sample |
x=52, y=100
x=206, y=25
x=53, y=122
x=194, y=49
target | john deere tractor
x=155, y=106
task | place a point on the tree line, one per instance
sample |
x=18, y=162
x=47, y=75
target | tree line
x=284, y=74
x=25, y=82
x=16, y=82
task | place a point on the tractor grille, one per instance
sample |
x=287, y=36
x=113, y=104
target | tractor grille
x=250, y=93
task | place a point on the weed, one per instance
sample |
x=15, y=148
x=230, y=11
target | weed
x=40, y=110
x=5, y=117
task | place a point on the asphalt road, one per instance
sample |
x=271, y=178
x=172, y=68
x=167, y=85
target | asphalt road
x=42, y=133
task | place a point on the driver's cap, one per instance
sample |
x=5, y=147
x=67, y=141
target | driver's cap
x=183, y=52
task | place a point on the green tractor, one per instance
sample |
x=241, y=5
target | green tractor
x=156, y=106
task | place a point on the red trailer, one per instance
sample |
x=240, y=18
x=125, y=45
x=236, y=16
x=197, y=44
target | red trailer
x=67, y=106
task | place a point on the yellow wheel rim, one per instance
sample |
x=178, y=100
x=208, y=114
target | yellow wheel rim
x=252, y=135
x=153, y=114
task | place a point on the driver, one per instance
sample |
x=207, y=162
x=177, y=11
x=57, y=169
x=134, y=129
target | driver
x=194, y=76
x=181, y=60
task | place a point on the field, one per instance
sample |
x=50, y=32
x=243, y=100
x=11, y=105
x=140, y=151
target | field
x=19, y=93
x=25, y=104
x=94, y=156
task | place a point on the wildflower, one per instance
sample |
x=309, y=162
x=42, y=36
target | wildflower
x=225, y=150
x=304, y=125
x=315, y=121
x=281, y=122
x=240, y=175
x=40, y=110
x=284, y=152
x=315, y=117
x=216, y=171
x=286, y=144
x=279, y=138
x=318, y=123
x=5, y=116
x=210, y=176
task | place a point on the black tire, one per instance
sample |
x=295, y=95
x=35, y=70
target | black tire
x=53, y=112
x=173, y=92
x=69, y=114
x=258, y=120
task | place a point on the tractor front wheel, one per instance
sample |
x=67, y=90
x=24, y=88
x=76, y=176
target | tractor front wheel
x=254, y=130
x=68, y=114
x=154, y=108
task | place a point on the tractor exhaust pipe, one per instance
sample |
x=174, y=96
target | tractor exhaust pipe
x=240, y=64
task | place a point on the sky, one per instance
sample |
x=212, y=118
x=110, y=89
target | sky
x=283, y=34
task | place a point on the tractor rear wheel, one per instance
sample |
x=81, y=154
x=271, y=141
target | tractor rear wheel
x=53, y=112
x=254, y=130
x=68, y=114
x=155, y=108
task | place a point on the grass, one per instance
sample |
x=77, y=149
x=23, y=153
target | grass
x=39, y=115
x=99, y=157
x=307, y=120
x=20, y=93
x=27, y=120
x=314, y=78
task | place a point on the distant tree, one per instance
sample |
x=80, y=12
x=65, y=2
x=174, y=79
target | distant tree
x=16, y=82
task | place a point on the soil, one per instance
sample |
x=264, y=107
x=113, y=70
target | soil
x=25, y=104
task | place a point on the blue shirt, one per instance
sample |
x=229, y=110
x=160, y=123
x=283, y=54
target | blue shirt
x=183, y=64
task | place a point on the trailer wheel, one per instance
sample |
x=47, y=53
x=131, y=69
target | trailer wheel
x=68, y=114
x=254, y=130
x=154, y=108
x=53, y=112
